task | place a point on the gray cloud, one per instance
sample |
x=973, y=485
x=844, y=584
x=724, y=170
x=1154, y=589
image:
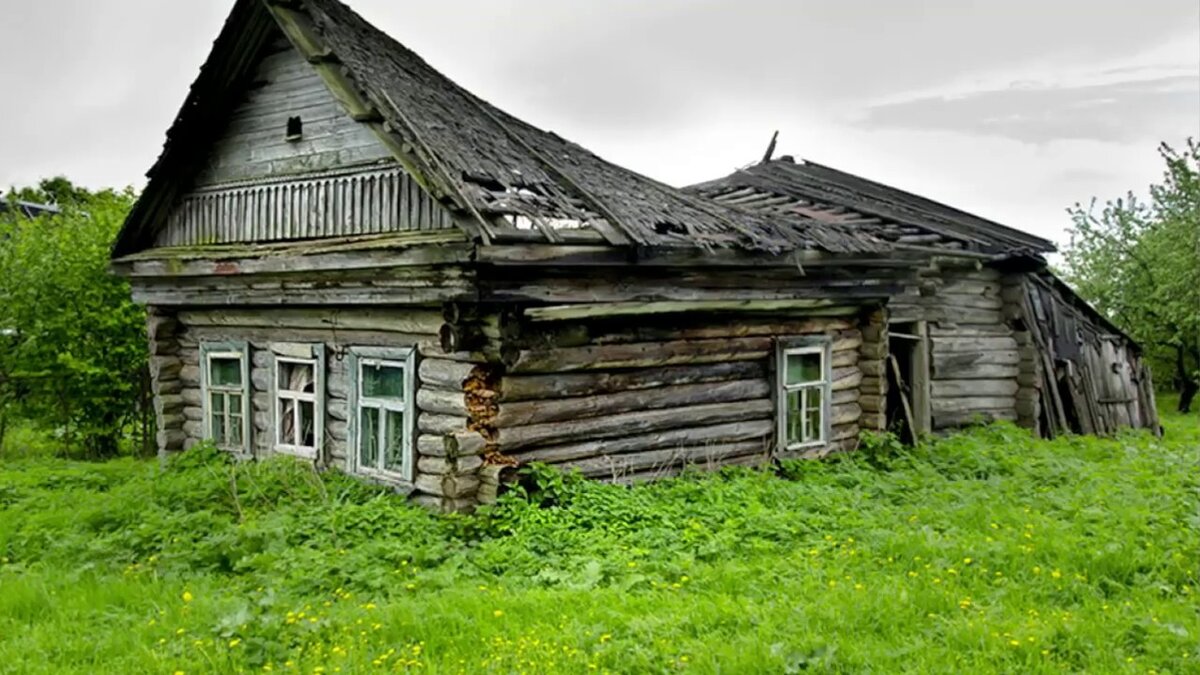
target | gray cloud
x=1123, y=111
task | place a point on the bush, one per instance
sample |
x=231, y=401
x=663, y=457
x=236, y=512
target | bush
x=72, y=342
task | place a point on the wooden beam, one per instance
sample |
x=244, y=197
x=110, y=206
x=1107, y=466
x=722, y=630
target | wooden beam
x=611, y=309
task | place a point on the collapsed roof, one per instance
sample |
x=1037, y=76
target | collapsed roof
x=506, y=178
x=786, y=187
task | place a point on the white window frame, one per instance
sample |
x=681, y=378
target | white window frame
x=239, y=351
x=316, y=360
x=801, y=347
x=387, y=357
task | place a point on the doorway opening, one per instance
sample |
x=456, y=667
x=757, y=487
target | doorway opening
x=907, y=370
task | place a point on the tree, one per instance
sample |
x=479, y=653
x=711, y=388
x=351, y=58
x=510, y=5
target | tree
x=1139, y=263
x=72, y=343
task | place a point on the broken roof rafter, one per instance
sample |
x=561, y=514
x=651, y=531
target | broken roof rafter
x=458, y=147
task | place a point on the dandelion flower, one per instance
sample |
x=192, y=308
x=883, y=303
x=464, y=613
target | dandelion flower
x=187, y=596
x=498, y=613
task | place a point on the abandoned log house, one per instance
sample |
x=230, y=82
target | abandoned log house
x=348, y=258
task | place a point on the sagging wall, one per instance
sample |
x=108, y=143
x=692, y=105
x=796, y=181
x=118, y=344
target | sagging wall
x=1084, y=376
x=643, y=397
x=444, y=480
x=975, y=355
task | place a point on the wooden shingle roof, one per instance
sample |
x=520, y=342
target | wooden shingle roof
x=509, y=180
x=784, y=186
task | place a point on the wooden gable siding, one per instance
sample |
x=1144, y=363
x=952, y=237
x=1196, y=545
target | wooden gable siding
x=338, y=179
x=254, y=145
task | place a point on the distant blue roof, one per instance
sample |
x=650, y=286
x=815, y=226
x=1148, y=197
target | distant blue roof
x=28, y=209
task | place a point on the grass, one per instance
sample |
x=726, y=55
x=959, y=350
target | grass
x=985, y=552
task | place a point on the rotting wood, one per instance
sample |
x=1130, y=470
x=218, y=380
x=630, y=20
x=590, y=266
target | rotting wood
x=515, y=438
x=710, y=456
x=542, y=387
x=540, y=412
x=637, y=355
x=732, y=432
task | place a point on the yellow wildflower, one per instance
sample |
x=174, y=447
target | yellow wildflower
x=187, y=596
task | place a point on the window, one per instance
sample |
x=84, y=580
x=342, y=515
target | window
x=382, y=412
x=224, y=384
x=803, y=372
x=299, y=382
x=295, y=129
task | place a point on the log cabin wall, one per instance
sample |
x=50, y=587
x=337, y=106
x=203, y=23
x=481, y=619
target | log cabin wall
x=975, y=355
x=641, y=398
x=446, y=481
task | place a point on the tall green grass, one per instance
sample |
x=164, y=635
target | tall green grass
x=985, y=552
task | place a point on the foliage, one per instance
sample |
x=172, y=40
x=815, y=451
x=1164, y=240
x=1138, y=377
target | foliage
x=72, y=343
x=985, y=552
x=1139, y=263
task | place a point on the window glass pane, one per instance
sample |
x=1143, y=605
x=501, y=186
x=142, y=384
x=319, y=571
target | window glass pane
x=368, y=438
x=224, y=372
x=307, y=430
x=794, y=421
x=812, y=422
x=803, y=368
x=286, y=434
x=216, y=417
x=235, y=430
x=295, y=376
x=382, y=381
x=393, y=457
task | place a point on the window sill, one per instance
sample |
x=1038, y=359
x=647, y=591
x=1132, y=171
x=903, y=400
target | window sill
x=398, y=484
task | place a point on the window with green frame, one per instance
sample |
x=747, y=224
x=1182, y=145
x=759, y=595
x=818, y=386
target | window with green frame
x=382, y=412
x=225, y=393
x=803, y=392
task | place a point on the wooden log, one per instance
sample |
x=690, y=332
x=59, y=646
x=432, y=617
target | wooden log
x=743, y=326
x=951, y=330
x=732, y=432
x=847, y=396
x=871, y=403
x=444, y=466
x=433, y=423
x=194, y=413
x=540, y=412
x=541, y=387
x=431, y=445
x=947, y=366
x=442, y=401
x=845, y=358
x=846, y=378
x=846, y=413
x=444, y=374
x=951, y=420
x=190, y=376
x=515, y=438
x=409, y=320
x=641, y=355
x=447, y=486
x=968, y=404
x=708, y=457
x=191, y=396
x=960, y=388
x=973, y=345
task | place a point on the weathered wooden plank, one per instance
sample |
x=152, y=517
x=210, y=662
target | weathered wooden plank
x=442, y=401
x=541, y=387
x=734, y=432
x=960, y=388
x=952, y=420
x=416, y=322
x=967, y=404
x=743, y=326
x=444, y=374
x=942, y=345
x=515, y=438
x=641, y=355
x=540, y=412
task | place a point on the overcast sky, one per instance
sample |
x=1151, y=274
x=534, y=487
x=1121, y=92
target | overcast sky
x=1012, y=109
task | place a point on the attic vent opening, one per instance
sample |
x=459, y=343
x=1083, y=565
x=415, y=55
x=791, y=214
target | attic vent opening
x=295, y=129
x=663, y=227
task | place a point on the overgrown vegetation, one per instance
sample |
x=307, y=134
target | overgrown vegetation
x=1139, y=263
x=986, y=552
x=72, y=343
